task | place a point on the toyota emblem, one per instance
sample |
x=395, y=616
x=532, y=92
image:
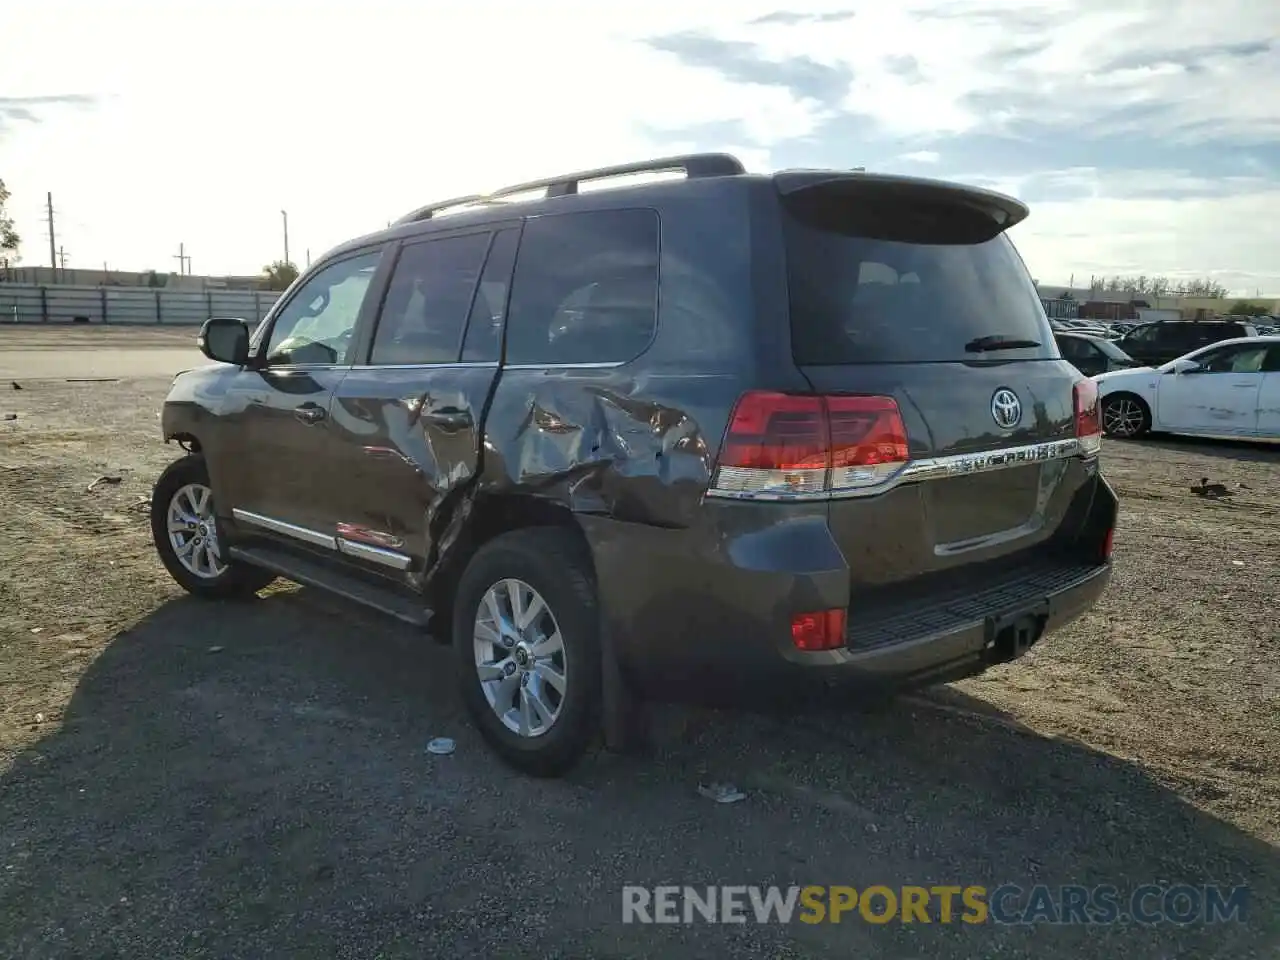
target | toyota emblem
x=1006, y=408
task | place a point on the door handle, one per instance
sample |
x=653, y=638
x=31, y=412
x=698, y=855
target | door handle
x=448, y=417
x=310, y=413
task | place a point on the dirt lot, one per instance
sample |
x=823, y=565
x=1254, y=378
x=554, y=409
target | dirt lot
x=249, y=780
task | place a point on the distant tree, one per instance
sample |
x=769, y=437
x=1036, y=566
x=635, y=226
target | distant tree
x=1243, y=308
x=278, y=275
x=9, y=239
x=1204, y=288
x=1146, y=286
x=155, y=280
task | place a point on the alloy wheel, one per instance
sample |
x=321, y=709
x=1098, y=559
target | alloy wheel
x=1123, y=417
x=520, y=657
x=193, y=533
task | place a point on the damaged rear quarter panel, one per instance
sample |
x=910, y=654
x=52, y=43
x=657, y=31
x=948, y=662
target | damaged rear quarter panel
x=636, y=440
x=635, y=447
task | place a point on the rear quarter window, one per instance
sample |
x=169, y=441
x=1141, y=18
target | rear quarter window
x=585, y=288
x=921, y=296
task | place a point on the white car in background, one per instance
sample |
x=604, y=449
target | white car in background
x=1230, y=389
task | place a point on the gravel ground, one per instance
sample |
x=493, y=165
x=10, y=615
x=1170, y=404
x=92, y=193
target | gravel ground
x=180, y=779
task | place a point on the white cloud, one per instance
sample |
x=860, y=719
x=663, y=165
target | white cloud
x=1229, y=238
x=212, y=118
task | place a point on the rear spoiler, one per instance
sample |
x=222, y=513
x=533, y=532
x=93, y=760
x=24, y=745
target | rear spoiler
x=1001, y=211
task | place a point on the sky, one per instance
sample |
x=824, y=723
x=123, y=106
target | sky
x=1144, y=134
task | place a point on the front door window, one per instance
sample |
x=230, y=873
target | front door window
x=317, y=324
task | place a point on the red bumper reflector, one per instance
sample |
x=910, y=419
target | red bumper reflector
x=818, y=631
x=1107, y=544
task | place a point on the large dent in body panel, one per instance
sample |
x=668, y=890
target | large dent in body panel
x=592, y=448
x=601, y=450
x=403, y=461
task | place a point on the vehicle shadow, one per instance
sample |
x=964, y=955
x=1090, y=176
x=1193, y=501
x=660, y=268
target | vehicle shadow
x=243, y=778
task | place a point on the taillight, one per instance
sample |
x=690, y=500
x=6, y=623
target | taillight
x=868, y=440
x=1088, y=416
x=781, y=445
x=1108, y=544
x=823, y=630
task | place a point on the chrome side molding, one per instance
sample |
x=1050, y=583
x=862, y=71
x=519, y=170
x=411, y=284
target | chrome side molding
x=351, y=548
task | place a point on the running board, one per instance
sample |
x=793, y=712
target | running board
x=316, y=575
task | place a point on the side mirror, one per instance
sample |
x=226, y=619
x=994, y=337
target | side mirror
x=225, y=340
x=1186, y=366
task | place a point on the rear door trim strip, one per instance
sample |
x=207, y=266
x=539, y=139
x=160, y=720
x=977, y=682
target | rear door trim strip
x=379, y=555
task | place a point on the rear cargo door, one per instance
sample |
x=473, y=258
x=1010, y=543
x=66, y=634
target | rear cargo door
x=912, y=290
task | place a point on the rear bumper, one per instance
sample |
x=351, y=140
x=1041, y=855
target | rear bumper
x=704, y=614
x=964, y=643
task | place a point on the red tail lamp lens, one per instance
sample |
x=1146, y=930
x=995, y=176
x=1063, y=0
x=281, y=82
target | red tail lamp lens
x=823, y=630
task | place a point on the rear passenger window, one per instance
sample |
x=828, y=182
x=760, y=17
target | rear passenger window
x=585, y=288
x=484, y=327
x=428, y=299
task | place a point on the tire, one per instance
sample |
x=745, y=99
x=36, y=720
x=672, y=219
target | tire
x=209, y=579
x=552, y=562
x=1125, y=416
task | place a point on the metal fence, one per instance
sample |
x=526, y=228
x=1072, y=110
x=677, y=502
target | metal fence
x=24, y=303
x=1060, y=309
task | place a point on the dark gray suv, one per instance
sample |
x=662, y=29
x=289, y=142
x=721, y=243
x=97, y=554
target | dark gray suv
x=705, y=438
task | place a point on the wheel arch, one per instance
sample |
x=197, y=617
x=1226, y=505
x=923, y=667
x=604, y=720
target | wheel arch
x=1126, y=394
x=187, y=440
x=490, y=516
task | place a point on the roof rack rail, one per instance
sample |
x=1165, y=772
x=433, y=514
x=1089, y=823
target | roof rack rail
x=694, y=165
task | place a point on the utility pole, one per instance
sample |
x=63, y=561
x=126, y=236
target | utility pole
x=62, y=263
x=53, y=254
x=308, y=258
x=184, y=261
x=284, y=214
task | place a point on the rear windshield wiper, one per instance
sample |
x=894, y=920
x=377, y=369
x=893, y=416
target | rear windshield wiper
x=998, y=342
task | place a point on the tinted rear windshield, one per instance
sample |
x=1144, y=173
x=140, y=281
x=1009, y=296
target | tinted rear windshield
x=901, y=282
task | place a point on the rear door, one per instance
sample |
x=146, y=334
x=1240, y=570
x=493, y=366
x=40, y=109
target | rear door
x=917, y=293
x=1220, y=397
x=407, y=417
